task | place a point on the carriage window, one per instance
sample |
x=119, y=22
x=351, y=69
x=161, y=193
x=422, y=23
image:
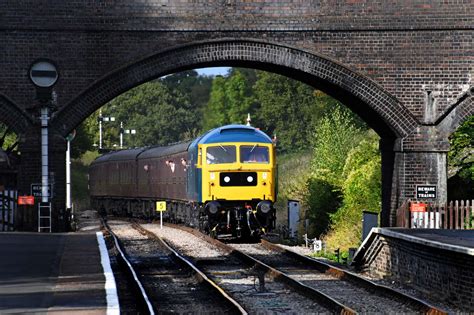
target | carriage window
x=254, y=154
x=221, y=154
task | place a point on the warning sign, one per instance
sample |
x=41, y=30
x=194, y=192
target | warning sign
x=36, y=190
x=426, y=192
x=418, y=207
x=26, y=200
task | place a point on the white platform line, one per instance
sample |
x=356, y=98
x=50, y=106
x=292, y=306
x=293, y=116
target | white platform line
x=113, y=306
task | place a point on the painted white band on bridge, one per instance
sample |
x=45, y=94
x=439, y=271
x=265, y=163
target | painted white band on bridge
x=113, y=306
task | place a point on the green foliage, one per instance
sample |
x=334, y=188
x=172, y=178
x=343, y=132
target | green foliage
x=345, y=178
x=79, y=185
x=323, y=199
x=361, y=190
x=214, y=113
x=196, y=88
x=461, y=153
x=83, y=140
x=461, y=162
x=335, y=136
x=293, y=172
x=331, y=255
x=8, y=139
x=289, y=109
x=238, y=97
x=159, y=115
x=230, y=101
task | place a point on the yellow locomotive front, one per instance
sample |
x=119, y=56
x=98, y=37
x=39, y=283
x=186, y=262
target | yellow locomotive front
x=238, y=186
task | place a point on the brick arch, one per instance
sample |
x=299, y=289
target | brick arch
x=12, y=116
x=460, y=113
x=377, y=107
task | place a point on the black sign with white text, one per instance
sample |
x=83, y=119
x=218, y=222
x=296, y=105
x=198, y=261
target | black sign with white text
x=36, y=190
x=426, y=192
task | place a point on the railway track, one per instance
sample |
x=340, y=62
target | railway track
x=339, y=290
x=348, y=288
x=168, y=282
x=258, y=287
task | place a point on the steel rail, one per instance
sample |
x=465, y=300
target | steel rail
x=143, y=299
x=345, y=275
x=310, y=292
x=198, y=273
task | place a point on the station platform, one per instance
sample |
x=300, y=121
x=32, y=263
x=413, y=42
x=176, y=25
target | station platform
x=446, y=239
x=52, y=273
x=435, y=261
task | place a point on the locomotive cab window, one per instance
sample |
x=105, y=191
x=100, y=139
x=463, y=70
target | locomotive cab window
x=221, y=154
x=254, y=154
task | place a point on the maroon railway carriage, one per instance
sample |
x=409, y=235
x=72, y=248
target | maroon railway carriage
x=145, y=174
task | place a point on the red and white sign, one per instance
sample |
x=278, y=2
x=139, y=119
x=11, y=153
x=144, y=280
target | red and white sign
x=26, y=200
x=418, y=207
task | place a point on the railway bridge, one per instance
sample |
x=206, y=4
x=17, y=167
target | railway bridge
x=405, y=67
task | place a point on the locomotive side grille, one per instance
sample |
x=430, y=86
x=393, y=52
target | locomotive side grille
x=238, y=179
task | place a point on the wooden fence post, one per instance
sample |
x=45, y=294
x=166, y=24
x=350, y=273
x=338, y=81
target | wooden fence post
x=444, y=215
x=472, y=214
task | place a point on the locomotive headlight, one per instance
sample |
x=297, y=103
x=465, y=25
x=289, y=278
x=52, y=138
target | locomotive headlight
x=264, y=175
x=213, y=207
x=250, y=179
x=227, y=179
x=264, y=207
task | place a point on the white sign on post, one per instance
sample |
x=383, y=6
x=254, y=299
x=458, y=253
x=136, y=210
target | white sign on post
x=43, y=73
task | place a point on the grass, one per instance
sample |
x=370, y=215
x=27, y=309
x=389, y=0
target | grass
x=79, y=181
x=293, y=171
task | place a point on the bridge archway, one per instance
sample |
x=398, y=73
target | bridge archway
x=12, y=116
x=382, y=111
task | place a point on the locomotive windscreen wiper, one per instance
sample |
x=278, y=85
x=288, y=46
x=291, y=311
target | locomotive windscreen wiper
x=222, y=148
x=253, y=147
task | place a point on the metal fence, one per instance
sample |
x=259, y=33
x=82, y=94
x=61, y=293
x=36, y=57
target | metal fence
x=458, y=215
x=8, y=206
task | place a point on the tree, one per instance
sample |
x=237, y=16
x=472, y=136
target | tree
x=361, y=190
x=194, y=87
x=335, y=136
x=290, y=109
x=230, y=101
x=239, y=98
x=214, y=114
x=83, y=139
x=160, y=116
x=461, y=162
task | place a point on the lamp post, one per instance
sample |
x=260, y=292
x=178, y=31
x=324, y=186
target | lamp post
x=102, y=119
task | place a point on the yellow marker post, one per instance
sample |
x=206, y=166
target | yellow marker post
x=161, y=206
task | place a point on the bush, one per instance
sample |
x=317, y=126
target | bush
x=322, y=199
x=361, y=191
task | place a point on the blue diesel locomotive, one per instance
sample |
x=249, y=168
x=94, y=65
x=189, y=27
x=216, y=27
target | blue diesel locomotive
x=223, y=182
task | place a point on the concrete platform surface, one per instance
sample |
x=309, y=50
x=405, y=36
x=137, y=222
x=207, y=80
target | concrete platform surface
x=463, y=238
x=51, y=273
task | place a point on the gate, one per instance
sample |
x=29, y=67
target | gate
x=8, y=206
